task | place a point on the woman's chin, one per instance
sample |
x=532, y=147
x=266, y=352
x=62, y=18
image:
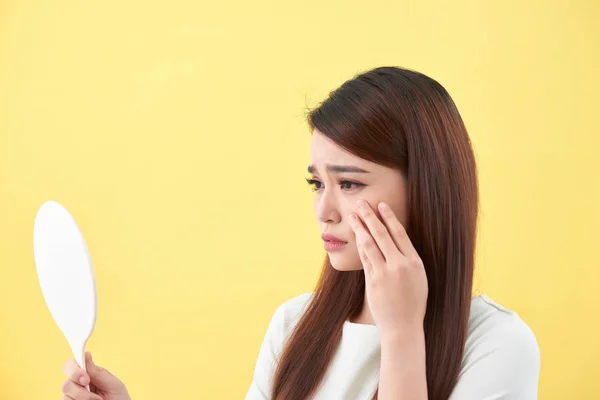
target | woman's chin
x=348, y=269
x=345, y=266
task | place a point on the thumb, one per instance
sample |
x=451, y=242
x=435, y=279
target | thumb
x=99, y=376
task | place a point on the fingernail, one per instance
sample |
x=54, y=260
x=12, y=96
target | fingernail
x=83, y=380
x=383, y=207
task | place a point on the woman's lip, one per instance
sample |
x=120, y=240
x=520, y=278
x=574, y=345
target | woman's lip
x=331, y=245
x=330, y=238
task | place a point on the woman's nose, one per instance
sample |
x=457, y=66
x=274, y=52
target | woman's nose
x=327, y=209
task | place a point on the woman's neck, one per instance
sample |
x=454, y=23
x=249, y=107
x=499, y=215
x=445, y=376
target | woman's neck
x=364, y=316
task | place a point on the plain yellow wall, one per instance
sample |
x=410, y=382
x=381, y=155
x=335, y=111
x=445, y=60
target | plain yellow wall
x=174, y=132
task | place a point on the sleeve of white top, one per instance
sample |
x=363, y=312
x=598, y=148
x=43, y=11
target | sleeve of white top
x=260, y=388
x=504, y=364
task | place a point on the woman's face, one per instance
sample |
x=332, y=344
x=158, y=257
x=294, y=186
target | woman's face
x=340, y=179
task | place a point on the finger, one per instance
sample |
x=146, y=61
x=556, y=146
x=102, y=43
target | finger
x=366, y=244
x=367, y=266
x=72, y=390
x=397, y=231
x=75, y=373
x=378, y=231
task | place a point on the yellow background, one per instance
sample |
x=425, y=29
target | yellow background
x=174, y=133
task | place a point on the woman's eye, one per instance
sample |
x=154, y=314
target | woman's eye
x=344, y=184
x=348, y=185
x=314, y=183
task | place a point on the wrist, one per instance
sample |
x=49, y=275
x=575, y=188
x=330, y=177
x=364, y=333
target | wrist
x=398, y=337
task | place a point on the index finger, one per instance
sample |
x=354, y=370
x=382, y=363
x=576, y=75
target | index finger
x=75, y=373
x=378, y=230
x=397, y=231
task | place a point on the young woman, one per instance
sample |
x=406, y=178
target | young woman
x=393, y=315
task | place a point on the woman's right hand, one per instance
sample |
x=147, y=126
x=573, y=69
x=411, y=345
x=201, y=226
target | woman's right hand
x=103, y=384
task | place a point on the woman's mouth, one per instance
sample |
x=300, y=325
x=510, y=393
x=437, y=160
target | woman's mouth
x=332, y=243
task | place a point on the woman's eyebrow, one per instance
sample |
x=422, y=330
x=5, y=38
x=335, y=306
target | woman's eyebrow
x=339, y=169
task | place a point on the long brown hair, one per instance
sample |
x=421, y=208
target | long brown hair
x=401, y=119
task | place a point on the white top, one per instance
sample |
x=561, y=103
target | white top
x=501, y=358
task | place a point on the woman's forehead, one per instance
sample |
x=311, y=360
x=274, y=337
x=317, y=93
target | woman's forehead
x=324, y=152
x=323, y=149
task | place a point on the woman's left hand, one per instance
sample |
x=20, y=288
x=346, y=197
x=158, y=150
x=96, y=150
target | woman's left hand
x=395, y=279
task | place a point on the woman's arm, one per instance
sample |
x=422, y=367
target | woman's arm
x=396, y=293
x=403, y=375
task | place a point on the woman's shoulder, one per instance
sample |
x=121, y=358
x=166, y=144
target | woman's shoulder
x=488, y=316
x=286, y=316
x=501, y=355
x=289, y=312
x=493, y=327
x=297, y=303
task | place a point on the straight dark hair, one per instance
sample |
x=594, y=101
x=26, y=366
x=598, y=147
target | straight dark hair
x=405, y=120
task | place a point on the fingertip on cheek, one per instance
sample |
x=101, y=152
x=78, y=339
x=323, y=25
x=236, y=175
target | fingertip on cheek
x=362, y=204
x=353, y=219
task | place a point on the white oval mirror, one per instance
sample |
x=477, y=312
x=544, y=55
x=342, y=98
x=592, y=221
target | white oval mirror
x=66, y=275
